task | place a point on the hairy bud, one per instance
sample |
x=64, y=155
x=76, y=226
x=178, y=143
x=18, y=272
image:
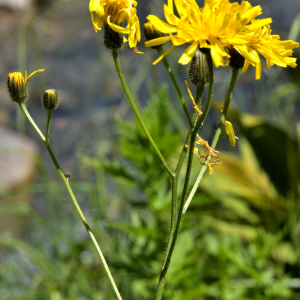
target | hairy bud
x=199, y=71
x=151, y=33
x=17, y=87
x=236, y=59
x=50, y=99
x=112, y=40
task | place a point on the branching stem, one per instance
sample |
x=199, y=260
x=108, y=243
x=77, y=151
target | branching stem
x=191, y=138
x=66, y=182
x=235, y=73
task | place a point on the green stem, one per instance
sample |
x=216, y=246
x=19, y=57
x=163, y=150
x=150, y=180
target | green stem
x=174, y=182
x=136, y=111
x=235, y=73
x=167, y=66
x=66, y=182
x=27, y=115
x=199, y=93
x=48, y=125
x=194, y=131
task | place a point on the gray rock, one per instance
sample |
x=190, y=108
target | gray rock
x=17, y=169
x=16, y=4
x=16, y=159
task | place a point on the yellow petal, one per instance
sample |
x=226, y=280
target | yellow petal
x=117, y=28
x=161, y=25
x=257, y=67
x=243, y=50
x=136, y=50
x=260, y=23
x=26, y=78
x=161, y=57
x=170, y=17
x=216, y=57
x=188, y=54
x=93, y=5
x=246, y=66
x=229, y=130
x=158, y=41
x=210, y=169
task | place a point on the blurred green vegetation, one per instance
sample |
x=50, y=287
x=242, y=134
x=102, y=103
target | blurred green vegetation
x=238, y=240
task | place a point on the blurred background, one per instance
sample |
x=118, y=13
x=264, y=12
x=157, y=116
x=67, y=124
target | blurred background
x=239, y=240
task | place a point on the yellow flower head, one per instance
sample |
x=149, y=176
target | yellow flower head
x=17, y=85
x=220, y=25
x=260, y=40
x=114, y=13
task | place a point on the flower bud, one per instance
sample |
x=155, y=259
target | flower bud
x=151, y=33
x=50, y=99
x=17, y=87
x=112, y=40
x=199, y=71
x=236, y=59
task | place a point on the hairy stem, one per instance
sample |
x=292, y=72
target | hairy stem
x=193, y=134
x=167, y=66
x=137, y=113
x=48, y=125
x=174, y=183
x=235, y=73
x=66, y=182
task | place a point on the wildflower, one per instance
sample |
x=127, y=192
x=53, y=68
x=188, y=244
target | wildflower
x=17, y=85
x=114, y=13
x=151, y=33
x=50, y=99
x=219, y=26
x=199, y=70
x=260, y=40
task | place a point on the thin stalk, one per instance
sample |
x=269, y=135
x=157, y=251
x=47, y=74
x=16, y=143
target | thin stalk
x=235, y=73
x=163, y=273
x=48, y=125
x=174, y=182
x=136, y=111
x=199, y=93
x=167, y=66
x=66, y=182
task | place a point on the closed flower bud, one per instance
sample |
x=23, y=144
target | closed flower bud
x=17, y=87
x=50, y=99
x=113, y=40
x=199, y=71
x=236, y=59
x=151, y=33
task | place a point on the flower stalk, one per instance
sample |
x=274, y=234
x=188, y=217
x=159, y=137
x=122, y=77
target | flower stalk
x=191, y=138
x=235, y=72
x=167, y=66
x=45, y=140
x=137, y=113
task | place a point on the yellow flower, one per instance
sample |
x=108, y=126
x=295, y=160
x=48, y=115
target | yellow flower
x=114, y=13
x=220, y=25
x=260, y=40
x=17, y=85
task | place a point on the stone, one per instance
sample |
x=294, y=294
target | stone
x=16, y=4
x=17, y=169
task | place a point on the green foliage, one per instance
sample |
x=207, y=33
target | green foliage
x=238, y=239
